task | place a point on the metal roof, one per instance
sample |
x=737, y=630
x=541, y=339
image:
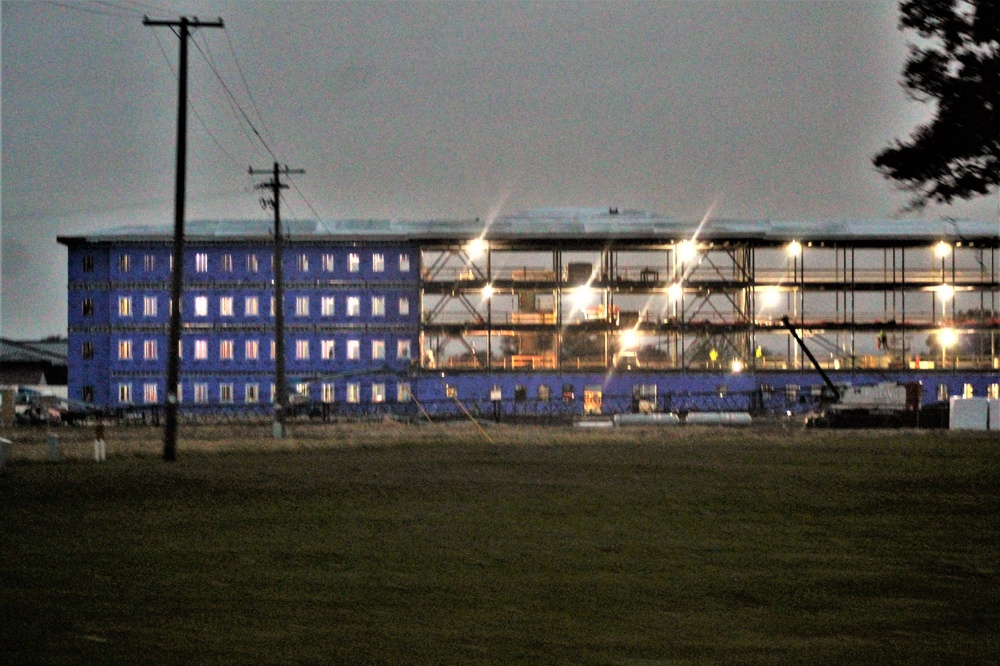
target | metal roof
x=574, y=224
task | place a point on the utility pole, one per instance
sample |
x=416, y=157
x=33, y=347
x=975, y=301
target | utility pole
x=182, y=28
x=280, y=382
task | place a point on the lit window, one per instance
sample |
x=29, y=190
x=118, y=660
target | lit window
x=378, y=392
x=302, y=389
x=250, y=306
x=303, y=263
x=226, y=350
x=378, y=350
x=301, y=306
x=201, y=306
x=404, y=306
x=403, y=349
x=124, y=263
x=149, y=306
x=403, y=392
x=302, y=349
x=201, y=349
x=326, y=350
x=149, y=394
x=150, y=261
x=272, y=306
x=201, y=262
x=150, y=350
x=353, y=306
x=274, y=349
x=226, y=306
x=88, y=307
x=378, y=306
x=326, y=306
x=88, y=350
x=251, y=263
x=226, y=393
x=328, y=263
x=378, y=262
x=354, y=392
x=353, y=262
x=124, y=393
x=250, y=350
x=125, y=306
x=353, y=350
x=251, y=393
x=227, y=263
x=404, y=263
x=124, y=350
x=328, y=392
x=201, y=392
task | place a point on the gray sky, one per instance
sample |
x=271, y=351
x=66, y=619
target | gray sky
x=417, y=110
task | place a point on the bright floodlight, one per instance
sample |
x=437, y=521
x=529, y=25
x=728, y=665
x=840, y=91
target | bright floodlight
x=487, y=291
x=945, y=292
x=947, y=337
x=675, y=291
x=581, y=296
x=770, y=297
x=794, y=248
x=737, y=365
x=687, y=251
x=942, y=249
x=629, y=339
x=476, y=248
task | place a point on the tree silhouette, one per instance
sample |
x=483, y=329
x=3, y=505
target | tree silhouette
x=956, y=64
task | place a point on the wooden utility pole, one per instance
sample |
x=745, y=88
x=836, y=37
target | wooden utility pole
x=182, y=28
x=280, y=381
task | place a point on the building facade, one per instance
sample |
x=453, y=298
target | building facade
x=567, y=306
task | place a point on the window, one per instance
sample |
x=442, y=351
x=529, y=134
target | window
x=302, y=390
x=328, y=263
x=124, y=350
x=272, y=393
x=404, y=306
x=403, y=349
x=250, y=306
x=251, y=263
x=201, y=306
x=543, y=392
x=227, y=264
x=87, y=394
x=378, y=262
x=149, y=304
x=201, y=392
x=326, y=306
x=404, y=263
x=353, y=350
x=353, y=262
x=125, y=306
x=124, y=393
x=378, y=306
x=302, y=349
x=201, y=262
x=124, y=263
x=403, y=392
x=88, y=307
x=378, y=392
x=251, y=393
x=993, y=391
x=354, y=392
x=250, y=350
x=226, y=392
x=226, y=350
x=303, y=263
x=301, y=306
x=353, y=306
x=272, y=306
x=201, y=349
x=88, y=263
x=226, y=306
x=180, y=392
x=274, y=349
x=328, y=392
x=326, y=350
x=149, y=394
x=88, y=350
x=150, y=261
x=378, y=350
x=150, y=350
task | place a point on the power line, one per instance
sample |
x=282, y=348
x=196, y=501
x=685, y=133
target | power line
x=246, y=86
x=86, y=10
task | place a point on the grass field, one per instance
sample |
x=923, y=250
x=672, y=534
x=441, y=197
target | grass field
x=391, y=543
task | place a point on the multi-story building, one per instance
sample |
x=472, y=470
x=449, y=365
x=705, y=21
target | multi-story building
x=552, y=305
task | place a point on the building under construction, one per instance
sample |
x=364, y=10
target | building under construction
x=593, y=311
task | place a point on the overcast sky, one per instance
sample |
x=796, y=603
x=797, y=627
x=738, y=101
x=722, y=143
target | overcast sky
x=419, y=110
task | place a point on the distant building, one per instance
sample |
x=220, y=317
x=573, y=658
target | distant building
x=557, y=305
x=37, y=364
